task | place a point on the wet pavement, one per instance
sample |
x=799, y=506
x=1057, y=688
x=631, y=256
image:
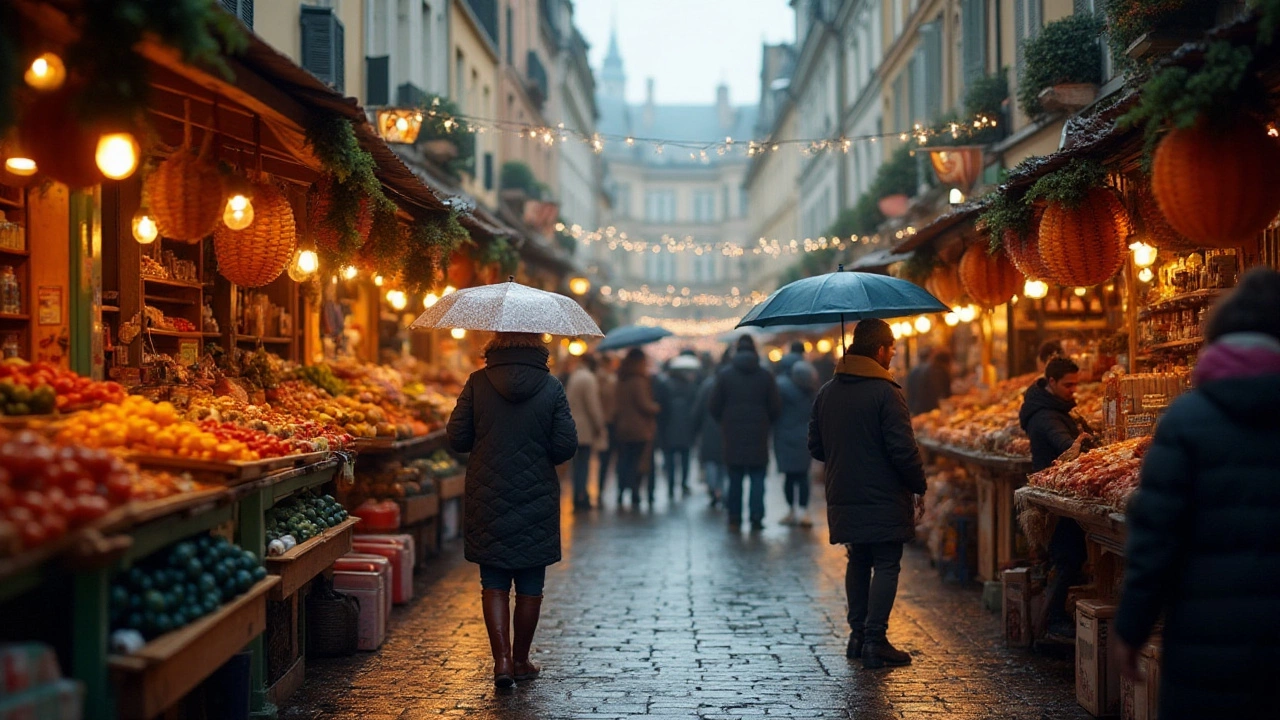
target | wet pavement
x=668, y=614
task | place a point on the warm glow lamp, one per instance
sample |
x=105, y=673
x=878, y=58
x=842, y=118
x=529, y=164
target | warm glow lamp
x=46, y=73
x=1144, y=255
x=238, y=214
x=117, y=155
x=1035, y=289
x=145, y=230
x=579, y=286
x=350, y=272
x=951, y=319
x=1146, y=275
x=824, y=346
x=430, y=300
x=577, y=348
x=923, y=324
x=458, y=333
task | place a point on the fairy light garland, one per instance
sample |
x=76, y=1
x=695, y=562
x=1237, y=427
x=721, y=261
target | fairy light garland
x=690, y=328
x=614, y=239
x=678, y=298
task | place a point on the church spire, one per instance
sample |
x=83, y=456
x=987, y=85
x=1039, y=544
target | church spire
x=613, y=79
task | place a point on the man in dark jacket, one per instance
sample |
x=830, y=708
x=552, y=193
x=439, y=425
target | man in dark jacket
x=678, y=393
x=514, y=419
x=788, y=361
x=1046, y=418
x=745, y=402
x=861, y=429
x=707, y=430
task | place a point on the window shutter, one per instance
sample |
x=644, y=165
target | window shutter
x=488, y=171
x=322, y=45
x=917, y=109
x=974, y=39
x=339, y=56
x=1019, y=31
x=377, y=80
x=410, y=95
x=931, y=39
x=242, y=9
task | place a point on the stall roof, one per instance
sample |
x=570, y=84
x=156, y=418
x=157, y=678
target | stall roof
x=882, y=258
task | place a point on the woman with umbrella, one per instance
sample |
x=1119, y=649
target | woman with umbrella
x=513, y=418
x=637, y=419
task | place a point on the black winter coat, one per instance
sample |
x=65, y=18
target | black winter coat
x=514, y=419
x=791, y=433
x=705, y=427
x=861, y=429
x=676, y=395
x=745, y=402
x=1204, y=548
x=1046, y=418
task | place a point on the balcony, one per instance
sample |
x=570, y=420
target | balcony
x=486, y=11
x=536, y=79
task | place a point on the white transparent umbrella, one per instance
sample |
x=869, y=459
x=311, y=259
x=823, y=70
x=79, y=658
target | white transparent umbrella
x=509, y=307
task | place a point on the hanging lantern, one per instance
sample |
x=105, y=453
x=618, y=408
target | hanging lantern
x=258, y=254
x=144, y=227
x=990, y=279
x=1218, y=185
x=19, y=168
x=46, y=73
x=944, y=284
x=186, y=194
x=1155, y=228
x=1084, y=245
x=62, y=147
x=328, y=236
x=1024, y=250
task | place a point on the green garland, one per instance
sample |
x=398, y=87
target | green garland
x=498, y=252
x=354, y=184
x=1070, y=185
x=923, y=261
x=431, y=243
x=388, y=241
x=1004, y=213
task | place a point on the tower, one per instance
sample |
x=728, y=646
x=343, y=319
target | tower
x=613, y=79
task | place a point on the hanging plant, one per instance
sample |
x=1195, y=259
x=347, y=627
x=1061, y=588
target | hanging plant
x=1216, y=174
x=1084, y=229
x=920, y=265
x=495, y=257
x=383, y=253
x=1065, y=52
x=989, y=278
x=432, y=242
x=340, y=206
x=1128, y=20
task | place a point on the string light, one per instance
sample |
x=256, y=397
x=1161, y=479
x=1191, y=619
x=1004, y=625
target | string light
x=46, y=73
x=430, y=300
x=397, y=299
x=614, y=239
x=675, y=298
x=1035, y=289
x=458, y=333
x=577, y=348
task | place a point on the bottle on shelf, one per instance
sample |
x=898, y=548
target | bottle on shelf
x=11, y=348
x=10, y=291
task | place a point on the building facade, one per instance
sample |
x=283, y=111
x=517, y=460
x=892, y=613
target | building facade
x=474, y=73
x=772, y=179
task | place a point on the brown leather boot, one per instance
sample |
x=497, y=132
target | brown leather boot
x=528, y=608
x=497, y=620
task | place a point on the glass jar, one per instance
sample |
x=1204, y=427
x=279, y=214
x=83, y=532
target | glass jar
x=11, y=347
x=10, y=291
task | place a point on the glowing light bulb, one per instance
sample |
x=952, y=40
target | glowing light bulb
x=238, y=214
x=1144, y=255
x=897, y=330
x=577, y=348
x=1146, y=275
x=377, y=281
x=908, y=330
x=775, y=355
x=430, y=300
x=968, y=313
x=951, y=319
x=956, y=197
x=448, y=290
x=402, y=123
x=46, y=73
x=350, y=272
x=1081, y=291
x=546, y=338
x=308, y=261
x=824, y=345
x=397, y=299
x=144, y=227
x=1035, y=289
x=923, y=324
x=20, y=166
x=458, y=333
x=117, y=155
x=579, y=286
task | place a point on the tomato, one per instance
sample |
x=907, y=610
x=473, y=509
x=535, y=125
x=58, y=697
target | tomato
x=89, y=508
x=33, y=501
x=8, y=498
x=55, y=525
x=119, y=486
x=18, y=515
x=33, y=534
x=84, y=486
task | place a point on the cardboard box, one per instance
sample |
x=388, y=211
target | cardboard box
x=1021, y=606
x=1140, y=699
x=368, y=589
x=1097, y=681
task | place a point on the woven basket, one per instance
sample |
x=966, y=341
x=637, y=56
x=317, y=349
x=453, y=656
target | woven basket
x=258, y=254
x=1156, y=229
x=186, y=195
x=990, y=279
x=1024, y=250
x=1084, y=245
x=1219, y=186
x=328, y=236
x=333, y=621
x=944, y=284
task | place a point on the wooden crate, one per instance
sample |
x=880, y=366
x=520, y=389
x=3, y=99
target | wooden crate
x=1097, y=679
x=306, y=560
x=156, y=677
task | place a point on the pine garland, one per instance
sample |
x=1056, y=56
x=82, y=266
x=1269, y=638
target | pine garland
x=431, y=243
x=384, y=251
x=1004, y=213
x=354, y=184
x=1070, y=185
x=923, y=261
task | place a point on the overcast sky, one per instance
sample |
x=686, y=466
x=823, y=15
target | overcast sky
x=687, y=46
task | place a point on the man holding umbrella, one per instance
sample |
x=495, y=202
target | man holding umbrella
x=861, y=430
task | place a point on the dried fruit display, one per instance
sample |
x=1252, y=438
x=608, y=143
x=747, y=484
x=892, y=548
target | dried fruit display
x=1108, y=474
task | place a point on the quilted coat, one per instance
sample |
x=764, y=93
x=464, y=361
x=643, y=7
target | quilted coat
x=513, y=417
x=1203, y=548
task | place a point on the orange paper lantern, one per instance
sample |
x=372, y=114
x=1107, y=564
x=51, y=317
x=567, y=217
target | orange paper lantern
x=1156, y=229
x=989, y=278
x=1218, y=186
x=1087, y=244
x=1024, y=249
x=944, y=284
x=256, y=255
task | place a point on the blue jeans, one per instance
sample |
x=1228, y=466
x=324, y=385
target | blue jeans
x=581, y=475
x=713, y=473
x=528, y=581
x=756, y=501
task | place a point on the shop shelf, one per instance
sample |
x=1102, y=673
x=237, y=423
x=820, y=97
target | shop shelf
x=169, y=300
x=1189, y=343
x=266, y=339
x=160, y=674
x=1196, y=298
x=110, y=309
x=453, y=487
x=297, y=567
x=172, y=283
x=15, y=317
x=174, y=333
x=418, y=508
x=14, y=253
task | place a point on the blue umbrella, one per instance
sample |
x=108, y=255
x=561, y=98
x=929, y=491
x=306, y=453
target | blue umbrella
x=631, y=336
x=839, y=296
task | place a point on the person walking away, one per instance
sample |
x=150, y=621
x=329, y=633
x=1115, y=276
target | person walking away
x=1046, y=418
x=745, y=402
x=657, y=448
x=637, y=415
x=797, y=390
x=918, y=383
x=794, y=355
x=861, y=430
x=1202, y=548
x=707, y=430
x=608, y=381
x=513, y=418
x=588, y=415
x=678, y=396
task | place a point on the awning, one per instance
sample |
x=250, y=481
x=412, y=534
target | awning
x=879, y=259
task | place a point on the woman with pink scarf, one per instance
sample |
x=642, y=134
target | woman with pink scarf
x=1204, y=526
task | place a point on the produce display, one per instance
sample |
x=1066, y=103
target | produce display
x=304, y=517
x=358, y=419
x=987, y=421
x=41, y=388
x=178, y=585
x=1108, y=474
x=392, y=479
x=139, y=425
x=304, y=435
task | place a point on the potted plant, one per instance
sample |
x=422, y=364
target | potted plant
x=1140, y=30
x=445, y=139
x=987, y=97
x=1063, y=66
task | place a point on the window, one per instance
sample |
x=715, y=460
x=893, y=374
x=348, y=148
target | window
x=704, y=206
x=1028, y=16
x=488, y=171
x=622, y=200
x=973, y=39
x=459, y=77
x=706, y=267
x=322, y=46
x=660, y=266
x=242, y=9
x=897, y=18
x=743, y=203
x=660, y=206
x=511, y=41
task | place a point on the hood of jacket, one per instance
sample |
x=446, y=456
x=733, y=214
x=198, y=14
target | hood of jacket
x=746, y=361
x=863, y=366
x=1240, y=373
x=1037, y=398
x=804, y=376
x=517, y=373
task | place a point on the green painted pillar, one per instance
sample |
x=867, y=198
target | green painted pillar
x=251, y=534
x=86, y=277
x=89, y=646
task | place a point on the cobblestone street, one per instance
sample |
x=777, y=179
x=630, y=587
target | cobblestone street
x=667, y=614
